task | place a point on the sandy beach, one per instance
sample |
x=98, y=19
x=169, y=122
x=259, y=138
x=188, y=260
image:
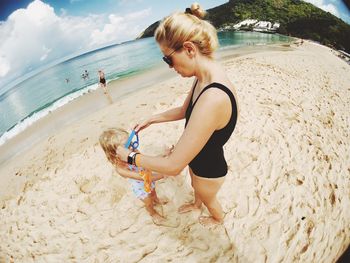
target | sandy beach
x=286, y=196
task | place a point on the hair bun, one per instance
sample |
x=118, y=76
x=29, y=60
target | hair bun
x=196, y=10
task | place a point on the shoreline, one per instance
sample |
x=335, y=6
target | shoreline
x=286, y=196
x=67, y=114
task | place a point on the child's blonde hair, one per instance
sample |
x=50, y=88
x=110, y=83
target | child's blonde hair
x=110, y=139
x=180, y=27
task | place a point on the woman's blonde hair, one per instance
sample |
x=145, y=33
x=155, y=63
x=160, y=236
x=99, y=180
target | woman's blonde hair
x=180, y=27
x=109, y=140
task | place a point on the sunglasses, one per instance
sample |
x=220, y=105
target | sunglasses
x=167, y=59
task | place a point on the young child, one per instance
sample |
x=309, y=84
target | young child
x=110, y=140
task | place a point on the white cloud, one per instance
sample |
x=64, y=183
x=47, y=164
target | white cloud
x=36, y=35
x=4, y=67
x=46, y=52
x=331, y=9
x=328, y=7
x=335, y=7
x=119, y=26
x=127, y=2
x=63, y=12
x=315, y=2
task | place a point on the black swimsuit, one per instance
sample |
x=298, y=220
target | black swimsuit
x=210, y=161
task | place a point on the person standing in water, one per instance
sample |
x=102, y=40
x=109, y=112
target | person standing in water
x=102, y=84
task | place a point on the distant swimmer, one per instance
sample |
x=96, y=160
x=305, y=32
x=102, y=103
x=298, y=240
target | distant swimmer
x=102, y=84
x=67, y=80
x=85, y=75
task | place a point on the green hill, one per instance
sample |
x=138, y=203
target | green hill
x=297, y=18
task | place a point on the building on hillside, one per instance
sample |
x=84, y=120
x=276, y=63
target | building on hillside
x=245, y=23
x=266, y=27
x=253, y=25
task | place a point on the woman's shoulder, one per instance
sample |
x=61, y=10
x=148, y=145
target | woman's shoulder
x=215, y=95
x=220, y=90
x=218, y=95
x=224, y=96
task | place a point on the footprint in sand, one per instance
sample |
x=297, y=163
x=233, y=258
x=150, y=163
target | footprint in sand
x=173, y=222
x=86, y=185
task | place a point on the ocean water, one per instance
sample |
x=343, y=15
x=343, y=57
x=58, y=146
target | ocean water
x=52, y=87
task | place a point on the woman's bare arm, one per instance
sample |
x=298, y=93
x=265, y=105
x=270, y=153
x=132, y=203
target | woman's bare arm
x=212, y=112
x=167, y=116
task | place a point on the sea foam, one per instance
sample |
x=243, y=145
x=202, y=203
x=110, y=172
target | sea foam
x=28, y=121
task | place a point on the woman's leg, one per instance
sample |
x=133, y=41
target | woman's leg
x=105, y=91
x=196, y=205
x=207, y=189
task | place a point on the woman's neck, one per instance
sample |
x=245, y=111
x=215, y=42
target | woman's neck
x=206, y=68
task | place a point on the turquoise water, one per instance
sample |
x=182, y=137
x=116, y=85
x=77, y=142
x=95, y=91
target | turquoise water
x=37, y=95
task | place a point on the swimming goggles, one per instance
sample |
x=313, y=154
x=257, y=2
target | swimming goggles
x=133, y=144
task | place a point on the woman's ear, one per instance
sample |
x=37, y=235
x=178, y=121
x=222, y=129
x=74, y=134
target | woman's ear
x=190, y=48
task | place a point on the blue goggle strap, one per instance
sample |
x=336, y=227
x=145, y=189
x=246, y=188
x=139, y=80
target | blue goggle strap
x=128, y=142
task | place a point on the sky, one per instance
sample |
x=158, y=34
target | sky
x=335, y=7
x=38, y=32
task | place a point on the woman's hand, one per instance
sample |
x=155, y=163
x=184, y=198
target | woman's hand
x=142, y=125
x=122, y=153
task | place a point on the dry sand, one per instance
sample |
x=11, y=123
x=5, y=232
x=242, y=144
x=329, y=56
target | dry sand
x=286, y=196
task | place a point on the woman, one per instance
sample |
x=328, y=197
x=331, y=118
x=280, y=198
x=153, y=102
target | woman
x=102, y=80
x=210, y=110
x=102, y=84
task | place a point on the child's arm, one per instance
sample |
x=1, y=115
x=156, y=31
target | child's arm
x=157, y=176
x=123, y=170
x=128, y=174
